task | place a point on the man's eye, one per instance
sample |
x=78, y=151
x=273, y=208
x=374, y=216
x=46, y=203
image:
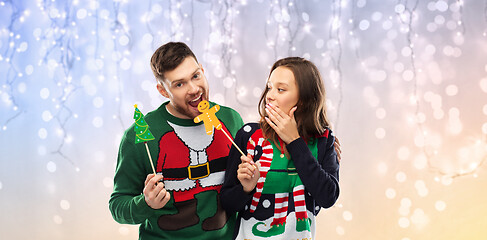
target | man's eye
x=280, y=89
x=196, y=76
x=179, y=85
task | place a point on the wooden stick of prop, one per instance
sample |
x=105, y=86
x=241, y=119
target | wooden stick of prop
x=150, y=158
x=229, y=138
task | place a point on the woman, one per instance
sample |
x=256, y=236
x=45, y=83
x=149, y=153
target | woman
x=291, y=167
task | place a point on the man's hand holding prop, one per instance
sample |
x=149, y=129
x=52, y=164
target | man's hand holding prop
x=155, y=194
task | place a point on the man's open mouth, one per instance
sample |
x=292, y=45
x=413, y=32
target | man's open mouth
x=196, y=101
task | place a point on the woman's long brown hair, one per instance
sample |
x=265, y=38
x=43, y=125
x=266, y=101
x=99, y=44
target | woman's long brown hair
x=310, y=114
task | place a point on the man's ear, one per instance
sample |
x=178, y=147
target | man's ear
x=162, y=90
x=202, y=69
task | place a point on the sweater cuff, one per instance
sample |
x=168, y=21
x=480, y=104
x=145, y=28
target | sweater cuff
x=297, y=145
x=251, y=193
x=143, y=210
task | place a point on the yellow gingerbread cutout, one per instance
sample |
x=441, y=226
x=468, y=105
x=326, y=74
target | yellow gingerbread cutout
x=208, y=116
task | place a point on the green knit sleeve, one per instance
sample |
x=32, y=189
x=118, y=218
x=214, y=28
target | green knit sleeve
x=127, y=203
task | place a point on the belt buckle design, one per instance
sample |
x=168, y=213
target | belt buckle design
x=190, y=168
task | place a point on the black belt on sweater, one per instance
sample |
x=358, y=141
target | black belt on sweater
x=289, y=171
x=197, y=171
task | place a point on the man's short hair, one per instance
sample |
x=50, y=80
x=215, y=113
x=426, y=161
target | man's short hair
x=168, y=57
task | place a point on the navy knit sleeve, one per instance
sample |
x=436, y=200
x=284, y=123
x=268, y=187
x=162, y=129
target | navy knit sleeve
x=319, y=176
x=233, y=198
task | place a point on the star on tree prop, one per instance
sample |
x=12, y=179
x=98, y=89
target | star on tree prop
x=142, y=133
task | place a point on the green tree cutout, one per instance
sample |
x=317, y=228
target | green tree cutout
x=141, y=129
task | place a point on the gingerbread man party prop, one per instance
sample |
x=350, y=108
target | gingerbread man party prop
x=208, y=116
x=210, y=120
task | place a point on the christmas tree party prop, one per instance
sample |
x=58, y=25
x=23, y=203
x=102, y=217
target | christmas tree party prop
x=142, y=133
x=210, y=120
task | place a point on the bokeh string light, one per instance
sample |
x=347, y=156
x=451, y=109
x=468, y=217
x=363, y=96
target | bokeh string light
x=59, y=56
x=475, y=148
x=460, y=4
x=220, y=44
x=121, y=37
x=284, y=24
x=177, y=17
x=353, y=31
x=292, y=23
x=15, y=44
x=408, y=15
x=150, y=18
x=152, y=10
x=336, y=73
x=485, y=19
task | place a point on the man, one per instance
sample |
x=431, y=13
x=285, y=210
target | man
x=182, y=200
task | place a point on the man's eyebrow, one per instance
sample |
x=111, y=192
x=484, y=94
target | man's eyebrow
x=197, y=70
x=182, y=79
x=177, y=81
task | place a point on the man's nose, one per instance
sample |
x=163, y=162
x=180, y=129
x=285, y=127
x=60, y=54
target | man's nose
x=193, y=88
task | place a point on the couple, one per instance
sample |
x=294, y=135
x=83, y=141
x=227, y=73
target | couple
x=289, y=172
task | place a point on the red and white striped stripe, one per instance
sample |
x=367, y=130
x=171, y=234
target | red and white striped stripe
x=299, y=202
x=280, y=209
x=265, y=164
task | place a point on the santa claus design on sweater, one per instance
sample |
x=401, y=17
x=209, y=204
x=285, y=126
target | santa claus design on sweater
x=192, y=162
